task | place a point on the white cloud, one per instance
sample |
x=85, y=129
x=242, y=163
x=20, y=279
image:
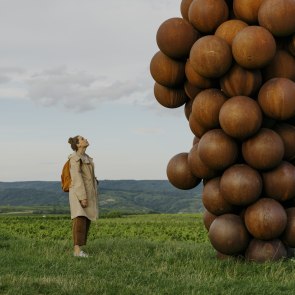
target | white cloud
x=7, y=74
x=12, y=83
x=105, y=48
x=82, y=91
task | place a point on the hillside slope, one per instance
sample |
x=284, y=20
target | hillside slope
x=122, y=195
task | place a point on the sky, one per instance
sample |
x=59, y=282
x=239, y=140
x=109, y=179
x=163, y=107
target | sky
x=72, y=67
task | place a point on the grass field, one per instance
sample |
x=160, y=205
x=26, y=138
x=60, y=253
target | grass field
x=144, y=254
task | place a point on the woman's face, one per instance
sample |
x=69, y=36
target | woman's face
x=83, y=142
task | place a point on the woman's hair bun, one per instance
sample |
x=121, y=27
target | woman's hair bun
x=73, y=141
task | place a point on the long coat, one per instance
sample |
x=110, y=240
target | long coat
x=83, y=186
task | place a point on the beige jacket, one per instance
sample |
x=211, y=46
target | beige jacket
x=83, y=186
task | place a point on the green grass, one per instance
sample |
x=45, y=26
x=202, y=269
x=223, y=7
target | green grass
x=128, y=256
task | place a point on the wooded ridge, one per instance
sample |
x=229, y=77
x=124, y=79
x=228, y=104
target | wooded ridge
x=134, y=196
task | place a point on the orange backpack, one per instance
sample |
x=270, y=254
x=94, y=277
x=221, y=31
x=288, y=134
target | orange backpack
x=66, y=177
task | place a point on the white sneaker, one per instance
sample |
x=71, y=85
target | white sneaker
x=81, y=254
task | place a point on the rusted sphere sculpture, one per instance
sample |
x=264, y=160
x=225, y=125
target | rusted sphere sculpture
x=228, y=234
x=240, y=117
x=266, y=219
x=210, y=56
x=170, y=97
x=231, y=65
x=167, y=71
x=206, y=107
x=179, y=173
x=282, y=66
x=264, y=150
x=229, y=29
x=247, y=10
x=184, y=7
x=288, y=236
x=196, y=79
x=197, y=166
x=262, y=251
x=287, y=134
x=217, y=150
x=253, y=47
x=207, y=15
x=240, y=81
x=277, y=16
x=213, y=200
x=208, y=218
x=276, y=98
x=240, y=185
x=279, y=183
x=175, y=37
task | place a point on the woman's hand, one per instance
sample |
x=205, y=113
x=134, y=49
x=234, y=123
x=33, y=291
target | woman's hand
x=84, y=203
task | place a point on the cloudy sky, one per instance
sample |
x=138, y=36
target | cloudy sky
x=71, y=67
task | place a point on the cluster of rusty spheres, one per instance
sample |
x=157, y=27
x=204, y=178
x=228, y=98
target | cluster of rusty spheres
x=231, y=63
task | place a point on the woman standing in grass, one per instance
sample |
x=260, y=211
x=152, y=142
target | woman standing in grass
x=82, y=193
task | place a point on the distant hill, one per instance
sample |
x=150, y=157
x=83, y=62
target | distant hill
x=140, y=196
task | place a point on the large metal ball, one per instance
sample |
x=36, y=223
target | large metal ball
x=277, y=16
x=206, y=107
x=184, y=7
x=175, y=37
x=264, y=150
x=217, y=150
x=240, y=185
x=279, y=183
x=239, y=81
x=211, y=56
x=229, y=29
x=170, y=97
x=191, y=90
x=288, y=236
x=196, y=79
x=254, y=47
x=282, y=66
x=240, y=117
x=228, y=234
x=213, y=200
x=262, y=251
x=167, y=71
x=247, y=10
x=196, y=128
x=197, y=166
x=266, y=219
x=287, y=134
x=179, y=173
x=208, y=218
x=276, y=98
x=207, y=15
